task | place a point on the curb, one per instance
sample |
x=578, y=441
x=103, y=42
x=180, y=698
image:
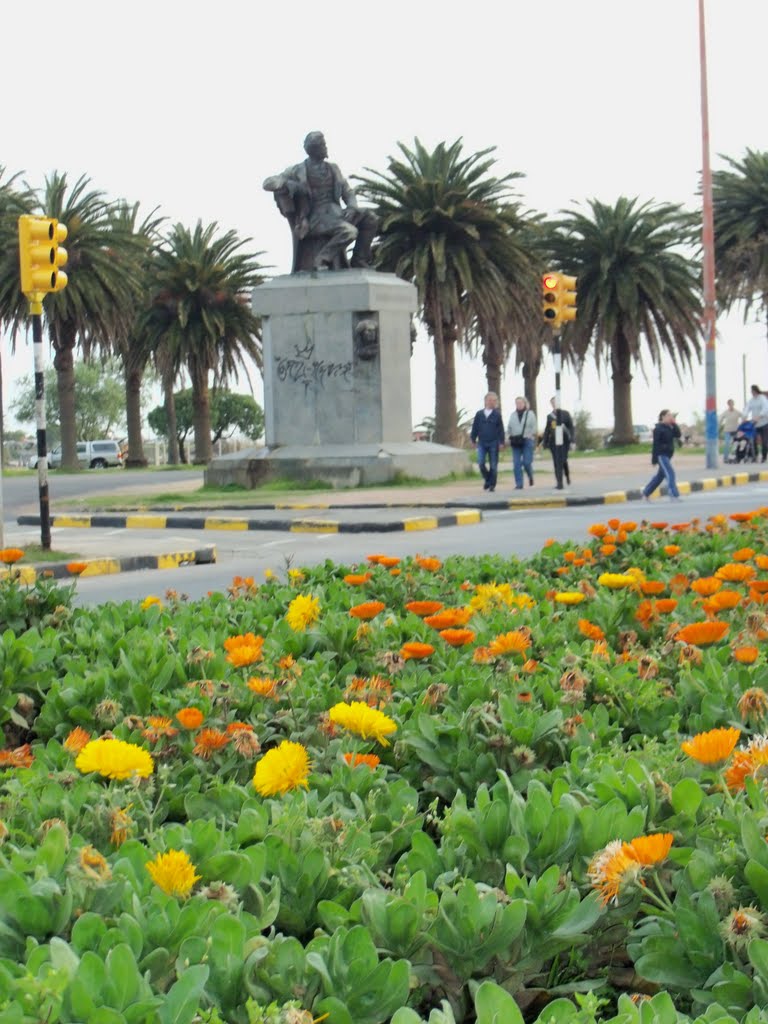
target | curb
x=466, y=517
x=29, y=574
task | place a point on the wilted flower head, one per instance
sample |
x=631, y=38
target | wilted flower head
x=742, y=926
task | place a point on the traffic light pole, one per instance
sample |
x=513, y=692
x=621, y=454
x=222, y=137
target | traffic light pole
x=36, y=308
x=558, y=452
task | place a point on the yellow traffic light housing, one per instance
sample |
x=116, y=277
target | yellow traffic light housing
x=41, y=255
x=558, y=298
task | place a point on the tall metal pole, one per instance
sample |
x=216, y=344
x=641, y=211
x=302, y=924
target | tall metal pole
x=558, y=451
x=42, y=452
x=708, y=247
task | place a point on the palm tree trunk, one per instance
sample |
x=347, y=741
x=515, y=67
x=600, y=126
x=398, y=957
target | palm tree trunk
x=446, y=428
x=170, y=418
x=135, y=458
x=530, y=377
x=621, y=365
x=64, y=364
x=201, y=415
x=493, y=378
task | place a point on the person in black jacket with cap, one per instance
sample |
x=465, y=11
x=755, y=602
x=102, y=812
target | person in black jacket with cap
x=665, y=433
x=488, y=436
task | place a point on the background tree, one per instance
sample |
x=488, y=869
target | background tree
x=101, y=295
x=15, y=199
x=130, y=344
x=740, y=198
x=200, y=315
x=451, y=228
x=638, y=291
x=100, y=407
x=231, y=413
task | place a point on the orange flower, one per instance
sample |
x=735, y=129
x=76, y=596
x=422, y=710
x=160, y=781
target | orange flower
x=761, y=561
x=724, y=600
x=740, y=768
x=449, y=617
x=262, y=686
x=428, y=564
x=611, y=868
x=671, y=549
x=735, y=572
x=21, y=757
x=590, y=630
x=76, y=567
x=743, y=555
x=629, y=526
x=702, y=633
x=482, y=656
x=741, y=517
x=525, y=696
x=649, y=850
x=746, y=654
x=652, y=587
x=515, y=642
x=367, y=610
x=759, y=586
x=244, y=650
x=416, y=650
x=388, y=561
x=190, y=718
x=530, y=666
x=711, y=747
x=665, y=605
x=706, y=586
x=424, y=608
x=357, y=579
x=457, y=637
x=76, y=740
x=157, y=727
x=10, y=555
x=678, y=584
x=569, y=556
x=354, y=760
x=208, y=741
x=235, y=727
x=614, y=523
x=598, y=529
x=600, y=650
x=607, y=549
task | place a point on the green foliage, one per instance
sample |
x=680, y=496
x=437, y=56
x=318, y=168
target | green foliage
x=100, y=401
x=230, y=413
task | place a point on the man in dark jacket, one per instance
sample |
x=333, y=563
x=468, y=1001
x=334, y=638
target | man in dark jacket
x=488, y=436
x=665, y=433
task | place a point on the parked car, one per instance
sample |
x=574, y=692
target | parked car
x=643, y=435
x=90, y=455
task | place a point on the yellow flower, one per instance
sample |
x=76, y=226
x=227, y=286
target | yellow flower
x=150, y=601
x=114, y=759
x=296, y=576
x=303, y=611
x=711, y=747
x=367, y=722
x=616, y=581
x=569, y=597
x=282, y=769
x=174, y=873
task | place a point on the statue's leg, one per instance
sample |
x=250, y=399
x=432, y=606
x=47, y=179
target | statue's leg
x=367, y=225
x=342, y=236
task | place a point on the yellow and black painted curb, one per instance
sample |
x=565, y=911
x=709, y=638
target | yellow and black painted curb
x=461, y=517
x=29, y=574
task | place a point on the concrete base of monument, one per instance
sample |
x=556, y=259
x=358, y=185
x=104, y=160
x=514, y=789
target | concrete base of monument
x=339, y=465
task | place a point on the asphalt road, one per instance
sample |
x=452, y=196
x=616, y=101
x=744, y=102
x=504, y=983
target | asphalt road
x=21, y=493
x=516, y=532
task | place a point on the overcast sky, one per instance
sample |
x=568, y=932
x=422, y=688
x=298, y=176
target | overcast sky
x=189, y=106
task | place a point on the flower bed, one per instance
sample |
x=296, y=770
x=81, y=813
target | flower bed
x=400, y=791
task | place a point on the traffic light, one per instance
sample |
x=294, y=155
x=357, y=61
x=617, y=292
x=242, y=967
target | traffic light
x=41, y=255
x=558, y=296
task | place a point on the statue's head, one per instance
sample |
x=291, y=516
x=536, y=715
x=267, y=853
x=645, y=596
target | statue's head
x=315, y=145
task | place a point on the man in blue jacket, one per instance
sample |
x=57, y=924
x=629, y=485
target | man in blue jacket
x=488, y=436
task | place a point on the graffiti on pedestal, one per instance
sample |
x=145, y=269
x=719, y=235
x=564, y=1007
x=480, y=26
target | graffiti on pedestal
x=304, y=370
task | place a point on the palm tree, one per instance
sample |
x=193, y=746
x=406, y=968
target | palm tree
x=638, y=293
x=199, y=314
x=452, y=229
x=740, y=199
x=100, y=298
x=15, y=199
x=130, y=345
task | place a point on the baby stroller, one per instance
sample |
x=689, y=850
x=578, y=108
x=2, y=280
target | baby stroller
x=744, y=447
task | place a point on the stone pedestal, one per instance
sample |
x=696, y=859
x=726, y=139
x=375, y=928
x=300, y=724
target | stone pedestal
x=337, y=390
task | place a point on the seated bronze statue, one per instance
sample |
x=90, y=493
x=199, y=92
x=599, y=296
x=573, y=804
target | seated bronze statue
x=309, y=195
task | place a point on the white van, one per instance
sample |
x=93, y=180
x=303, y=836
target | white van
x=90, y=455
